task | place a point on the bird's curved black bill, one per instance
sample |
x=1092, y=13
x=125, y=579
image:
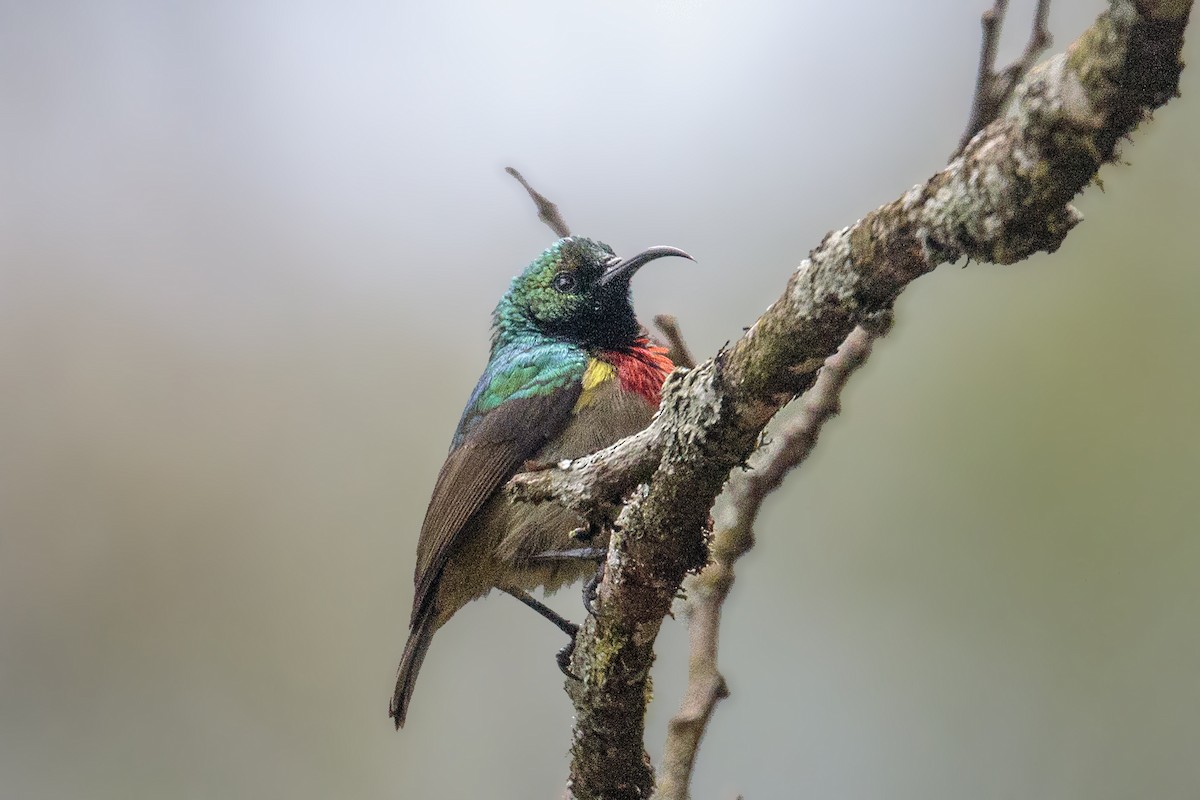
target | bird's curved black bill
x=623, y=269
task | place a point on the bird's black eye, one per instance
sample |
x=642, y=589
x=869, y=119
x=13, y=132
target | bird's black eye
x=565, y=282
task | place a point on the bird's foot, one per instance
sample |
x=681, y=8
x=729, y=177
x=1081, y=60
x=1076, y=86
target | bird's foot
x=591, y=591
x=563, y=657
x=597, y=554
x=586, y=533
x=597, y=521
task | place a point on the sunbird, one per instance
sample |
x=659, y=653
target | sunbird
x=570, y=372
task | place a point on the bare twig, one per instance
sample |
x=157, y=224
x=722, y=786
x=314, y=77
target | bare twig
x=677, y=348
x=547, y=211
x=706, y=592
x=994, y=89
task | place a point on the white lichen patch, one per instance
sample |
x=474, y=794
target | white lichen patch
x=911, y=198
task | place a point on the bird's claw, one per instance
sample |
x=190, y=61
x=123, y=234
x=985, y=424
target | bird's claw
x=591, y=591
x=597, y=554
x=584, y=533
x=563, y=657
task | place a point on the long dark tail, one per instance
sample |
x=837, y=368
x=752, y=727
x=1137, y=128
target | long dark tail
x=410, y=664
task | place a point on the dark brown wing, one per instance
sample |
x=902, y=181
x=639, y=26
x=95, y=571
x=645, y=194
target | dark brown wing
x=490, y=453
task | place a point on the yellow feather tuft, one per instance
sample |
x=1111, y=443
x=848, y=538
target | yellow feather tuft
x=596, y=375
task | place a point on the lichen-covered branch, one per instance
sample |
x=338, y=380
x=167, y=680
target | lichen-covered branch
x=1005, y=197
x=603, y=478
x=734, y=536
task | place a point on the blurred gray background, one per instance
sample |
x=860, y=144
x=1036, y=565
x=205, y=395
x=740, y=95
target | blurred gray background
x=248, y=253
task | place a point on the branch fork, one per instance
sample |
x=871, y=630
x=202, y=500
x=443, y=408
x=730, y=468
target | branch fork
x=1004, y=195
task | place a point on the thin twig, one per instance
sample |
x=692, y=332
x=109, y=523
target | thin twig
x=994, y=89
x=677, y=348
x=547, y=211
x=706, y=592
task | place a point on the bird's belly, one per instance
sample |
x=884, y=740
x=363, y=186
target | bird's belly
x=503, y=535
x=610, y=414
x=530, y=529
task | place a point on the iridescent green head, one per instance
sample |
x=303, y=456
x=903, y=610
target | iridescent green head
x=576, y=291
